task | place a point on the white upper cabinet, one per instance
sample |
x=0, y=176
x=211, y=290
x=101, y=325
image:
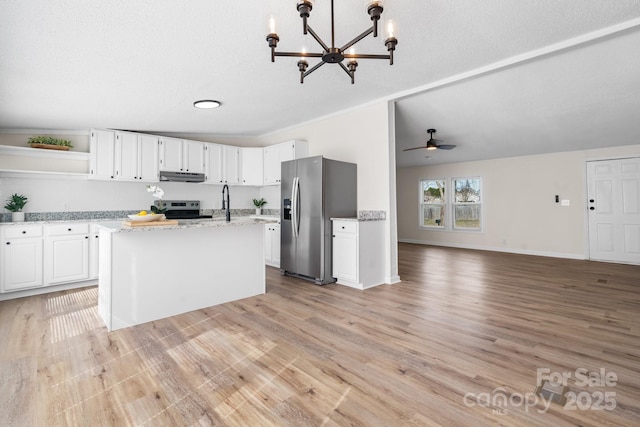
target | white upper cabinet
x=274, y=155
x=148, y=158
x=231, y=166
x=213, y=164
x=126, y=156
x=102, y=146
x=252, y=166
x=123, y=156
x=170, y=154
x=222, y=164
x=129, y=156
x=179, y=155
x=193, y=156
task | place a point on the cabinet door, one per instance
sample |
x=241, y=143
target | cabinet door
x=148, y=161
x=252, y=166
x=275, y=245
x=271, y=165
x=213, y=164
x=231, y=164
x=193, y=157
x=170, y=154
x=102, y=154
x=286, y=151
x=21, y=264
x=66, y=258
x=126, y=164
x=345, y=256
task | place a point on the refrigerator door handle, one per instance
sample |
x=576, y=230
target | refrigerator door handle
x=294, y=207
x=297, y=206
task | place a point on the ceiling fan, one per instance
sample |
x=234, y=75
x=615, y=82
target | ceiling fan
x=433, y=144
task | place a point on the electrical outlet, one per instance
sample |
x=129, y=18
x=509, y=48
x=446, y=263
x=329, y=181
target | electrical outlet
x=565, y=203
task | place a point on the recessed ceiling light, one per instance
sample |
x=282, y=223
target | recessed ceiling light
x=206, y=104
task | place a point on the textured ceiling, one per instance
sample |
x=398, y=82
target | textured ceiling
x=139, y=65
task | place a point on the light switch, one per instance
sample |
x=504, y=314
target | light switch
x=565, y=203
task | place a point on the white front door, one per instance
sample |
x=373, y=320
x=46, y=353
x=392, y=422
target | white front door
x=613, y=201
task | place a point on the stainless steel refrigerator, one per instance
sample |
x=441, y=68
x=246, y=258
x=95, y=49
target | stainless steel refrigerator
x=313, y=190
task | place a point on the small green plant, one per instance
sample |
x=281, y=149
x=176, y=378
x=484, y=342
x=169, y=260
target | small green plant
x=16, y=202
x=259, y=203
x=48, y=140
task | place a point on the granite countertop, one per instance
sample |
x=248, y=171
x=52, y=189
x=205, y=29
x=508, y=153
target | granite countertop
x=184, y=223
x=118, y=226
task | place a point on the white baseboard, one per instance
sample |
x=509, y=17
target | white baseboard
x=47, y=289
x=391, y=280
x=497, y=249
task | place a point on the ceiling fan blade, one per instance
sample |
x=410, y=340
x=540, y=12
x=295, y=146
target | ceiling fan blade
x=415, y=148
x=446, y=147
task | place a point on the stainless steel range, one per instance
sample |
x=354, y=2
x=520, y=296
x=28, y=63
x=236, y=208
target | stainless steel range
x=180, y=209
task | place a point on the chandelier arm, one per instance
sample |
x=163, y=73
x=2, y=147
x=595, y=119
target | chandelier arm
x=346, y=70
x=357, y=39
x=366, y=56
x=315, y=67
x=318, y=39
x=299, y=54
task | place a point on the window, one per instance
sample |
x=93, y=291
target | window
x=433, y=203
x=466, y=203
x=463, y=205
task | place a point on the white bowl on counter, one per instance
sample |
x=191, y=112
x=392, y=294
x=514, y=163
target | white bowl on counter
x=146, y=218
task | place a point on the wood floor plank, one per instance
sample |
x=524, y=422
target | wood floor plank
x=457, y=343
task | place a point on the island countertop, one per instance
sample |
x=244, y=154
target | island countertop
x=119, y=227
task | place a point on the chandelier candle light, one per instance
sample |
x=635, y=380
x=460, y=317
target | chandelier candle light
x=332, y=54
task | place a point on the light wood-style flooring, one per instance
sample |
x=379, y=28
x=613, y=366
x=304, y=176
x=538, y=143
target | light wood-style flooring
x=457, y=343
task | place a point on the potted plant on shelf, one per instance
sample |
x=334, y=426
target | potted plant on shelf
x=259, y=203
x=49, y=143
x=15, y=203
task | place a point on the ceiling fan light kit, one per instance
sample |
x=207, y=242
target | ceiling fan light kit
x=432, y=144
x=332, y=54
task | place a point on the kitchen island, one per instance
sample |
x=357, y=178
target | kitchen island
x=149, y=273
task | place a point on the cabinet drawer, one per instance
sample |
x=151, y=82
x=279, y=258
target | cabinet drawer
x=67, y=229
x=345, y=227
x=22, y=231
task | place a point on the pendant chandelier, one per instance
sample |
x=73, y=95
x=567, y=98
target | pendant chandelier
x=332, y=54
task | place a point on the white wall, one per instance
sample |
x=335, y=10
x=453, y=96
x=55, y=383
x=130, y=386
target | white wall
x=360, y=136
x=48, y=194
x=519, y=210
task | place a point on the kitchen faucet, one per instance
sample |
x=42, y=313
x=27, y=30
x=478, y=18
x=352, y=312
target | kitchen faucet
x=226, y=205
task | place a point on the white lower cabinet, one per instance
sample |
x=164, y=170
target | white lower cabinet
x=66, y=257
x=358, y=253
x=21, y=261
x=272, y=245
x=37, y=256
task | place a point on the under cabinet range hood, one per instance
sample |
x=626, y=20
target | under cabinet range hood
x=181, y=176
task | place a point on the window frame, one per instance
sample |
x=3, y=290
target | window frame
x=450, y=205
x=421, y=205
x=454, y=204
